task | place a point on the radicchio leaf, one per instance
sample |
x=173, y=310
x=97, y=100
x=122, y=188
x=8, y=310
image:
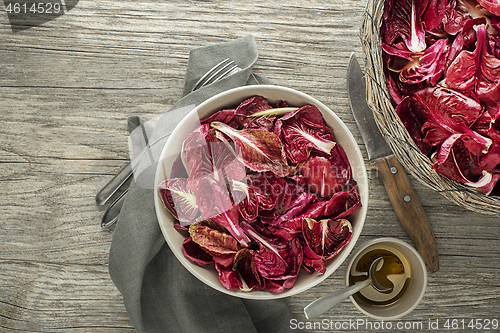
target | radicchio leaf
x=289, y=229
x=343, y=204
x=327, y=237
x=313, y=262
x=179, y=200
x=434, y=14
x=488, y=188
x=289, y=224
x=454, y=18
x=209, y=154
x=283, y=194
x=439, y=113
x=297, y=207
x=458, y=165
x=220, y=245
x=178, y=169
x=493, y=6
x=277, y=259
x=215, y=202
x=247, y=270
x=397, y=89
x=253, y=195
x=301, y=131
x=224, y=115
x=405, y=17
x=243, y=274
x=197, y=156
x=421, y=67
x=228, y=277
x=476, y=72
x=245, y=111
x=194, y=252
x=321, y=177
x=259, y=150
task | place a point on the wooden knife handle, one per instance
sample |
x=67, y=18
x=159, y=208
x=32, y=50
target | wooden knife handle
x=408, y=209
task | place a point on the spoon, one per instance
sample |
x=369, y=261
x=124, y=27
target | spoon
x=328, y=301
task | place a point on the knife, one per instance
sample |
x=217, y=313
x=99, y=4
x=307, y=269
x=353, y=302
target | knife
x=111, y=214
x=403, y=197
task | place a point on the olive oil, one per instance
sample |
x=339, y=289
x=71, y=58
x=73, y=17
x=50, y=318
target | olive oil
x=395, y=272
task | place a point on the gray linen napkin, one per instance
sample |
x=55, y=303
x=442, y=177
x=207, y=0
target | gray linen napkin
x=160, y=295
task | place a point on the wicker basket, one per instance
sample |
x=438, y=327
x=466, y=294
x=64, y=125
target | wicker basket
x=419, y=165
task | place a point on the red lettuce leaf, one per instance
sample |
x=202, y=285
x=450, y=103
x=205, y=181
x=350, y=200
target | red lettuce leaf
x=460, y=165
x=421, y=67
x=244, y=264
x=228, y=277
x=493, y=6
x=179, y=200
x=214, y=202
x=439, y=113
x=301, y=131
x=259, y=150
x=313, y=262
x=321, y=177
x=405, y=17
x=195, y=253
x=327, y=237
x=209, y=154
x=253, y=195
x=250, y=107
x=476, y=72
x=220, y=245
x=225, y=115
x=277, y=259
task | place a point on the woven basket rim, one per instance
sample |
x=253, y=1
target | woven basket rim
x=395, y=133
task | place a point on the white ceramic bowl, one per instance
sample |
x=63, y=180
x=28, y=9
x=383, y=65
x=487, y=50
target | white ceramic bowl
x=416, y=290
x=231, y=99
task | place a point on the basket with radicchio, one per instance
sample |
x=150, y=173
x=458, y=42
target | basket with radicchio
x=262, y=192
x=439, y=61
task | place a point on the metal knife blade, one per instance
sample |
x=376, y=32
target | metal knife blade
x=403, y=197
x=356, y=89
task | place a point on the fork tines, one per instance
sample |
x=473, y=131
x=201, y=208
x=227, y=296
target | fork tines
x=224, y=68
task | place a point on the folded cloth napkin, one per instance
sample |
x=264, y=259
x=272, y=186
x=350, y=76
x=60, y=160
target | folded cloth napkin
x=160, y=295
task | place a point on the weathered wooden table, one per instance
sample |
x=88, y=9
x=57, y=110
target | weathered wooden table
x=66, y=90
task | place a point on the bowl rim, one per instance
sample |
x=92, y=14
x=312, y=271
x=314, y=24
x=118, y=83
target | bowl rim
x=362, y=184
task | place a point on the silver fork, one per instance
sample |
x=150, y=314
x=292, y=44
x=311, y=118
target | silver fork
x=223, y=69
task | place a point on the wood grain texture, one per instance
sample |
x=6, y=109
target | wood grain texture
x=66, y=90
x=408, y=209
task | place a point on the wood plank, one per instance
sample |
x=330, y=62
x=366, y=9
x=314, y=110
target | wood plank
x=66, y=90
x=45, y=297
